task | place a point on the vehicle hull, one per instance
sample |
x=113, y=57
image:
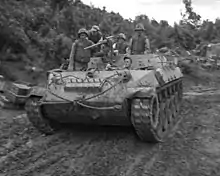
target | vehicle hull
x=67, y=112
x=147, y=97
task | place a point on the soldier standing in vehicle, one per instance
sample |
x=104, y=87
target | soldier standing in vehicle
x=121, y=46
x=139, y=43
x=105, y=52
x=95, y=34
x=127, y=63
x=79, y=57
x=65, y=64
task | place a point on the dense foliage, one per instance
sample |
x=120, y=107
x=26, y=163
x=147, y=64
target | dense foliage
x=40, y=32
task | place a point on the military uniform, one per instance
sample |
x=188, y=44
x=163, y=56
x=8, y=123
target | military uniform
x=94, y=34
x=121, y=47
x=65, y=65
x=105, y=51
x=79, y=57
x=139, y=43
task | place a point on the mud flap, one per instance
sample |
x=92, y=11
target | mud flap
x=159, y=78
x=37, y=91
x=141, y=92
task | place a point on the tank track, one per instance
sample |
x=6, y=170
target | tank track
x=154, y=118
x=37, y=119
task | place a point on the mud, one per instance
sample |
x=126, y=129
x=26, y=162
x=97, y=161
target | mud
x=194, y=149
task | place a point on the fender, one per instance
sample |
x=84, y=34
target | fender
x=37, y=91
x=58, y=70
x=141, y=92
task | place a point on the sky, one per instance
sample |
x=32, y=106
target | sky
x=159, y=9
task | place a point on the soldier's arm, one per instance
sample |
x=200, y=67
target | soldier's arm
x=130, y=43
x=61, y=67
x=128, y=50
x=100, y=35
x=93, y=49
x=91, y=42
x=147, y=44
x=114, y=46
x=71, y=58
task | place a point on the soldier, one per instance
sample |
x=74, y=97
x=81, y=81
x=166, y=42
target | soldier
x=128, y=63
x=95, y=34
x=79, y=57
x=65, y=64
x=139, y=43
x=105, y=51
x=121, y=46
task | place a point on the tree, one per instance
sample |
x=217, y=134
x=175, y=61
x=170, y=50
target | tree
x=190, y=17
x=42, y=30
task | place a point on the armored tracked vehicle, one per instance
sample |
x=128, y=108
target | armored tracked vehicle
x=147, y=97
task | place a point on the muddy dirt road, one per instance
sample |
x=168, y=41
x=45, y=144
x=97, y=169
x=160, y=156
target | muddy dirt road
x=193, y=150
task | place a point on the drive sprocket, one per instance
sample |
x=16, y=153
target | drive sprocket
x=38, y=120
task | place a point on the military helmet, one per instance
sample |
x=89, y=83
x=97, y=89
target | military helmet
x=95, y=28
x=139, y=27
x=121, y=35
x=82, y=31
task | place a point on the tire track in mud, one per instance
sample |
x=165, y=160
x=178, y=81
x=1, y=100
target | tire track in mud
x=108, y=153
x=109, y=157
x=52, y=156
x=80, y=153
x=184, y=154
x=43, y=150
x=18, y=133
x=10, y=125
x=39, y=143
x=145, y=160
x=78, y=161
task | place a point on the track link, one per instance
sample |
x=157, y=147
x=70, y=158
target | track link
x=38, y=120
x=154, y=118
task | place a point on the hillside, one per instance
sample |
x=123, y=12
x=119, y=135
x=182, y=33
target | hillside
x=39, y=33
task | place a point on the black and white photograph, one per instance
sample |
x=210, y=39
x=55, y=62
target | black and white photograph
x=110, y=88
